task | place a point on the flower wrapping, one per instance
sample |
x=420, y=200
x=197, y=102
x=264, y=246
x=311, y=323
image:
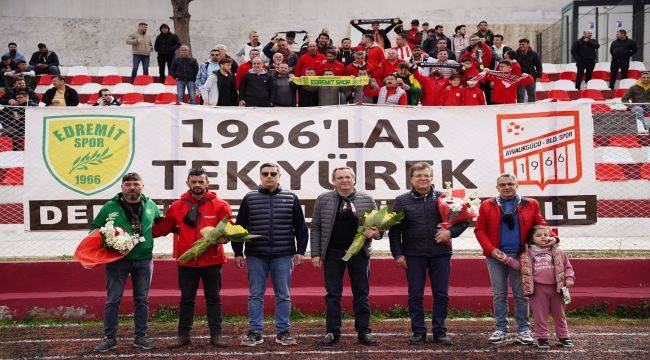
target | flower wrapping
x=224, y=229
x=455, y=206
x=382, y=219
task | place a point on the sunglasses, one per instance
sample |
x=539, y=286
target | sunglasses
x=271, y=174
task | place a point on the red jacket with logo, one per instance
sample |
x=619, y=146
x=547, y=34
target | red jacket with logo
x=454, y=96
x=307, y=61
x=432, y=88
x=211, y=211
x=474, y=96
x=504, y=93
x=336, y=66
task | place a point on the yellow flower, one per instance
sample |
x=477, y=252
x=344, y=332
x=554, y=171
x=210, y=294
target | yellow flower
x=232, y=229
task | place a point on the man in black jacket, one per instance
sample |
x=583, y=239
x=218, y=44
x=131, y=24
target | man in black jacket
x=166, y=45
x=184, y=70
x=256, y=86
x=60, y=94
x=9, y=98
x=44, y=61
x=276, y=216
x=419, y=245
x=622, y=49
x=530, y=64
x=585, y=52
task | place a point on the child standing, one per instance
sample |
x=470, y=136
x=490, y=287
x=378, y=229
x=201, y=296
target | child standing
x=545, y=270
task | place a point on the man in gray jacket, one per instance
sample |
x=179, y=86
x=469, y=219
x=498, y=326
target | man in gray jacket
x=141, y=49
x=337, y=215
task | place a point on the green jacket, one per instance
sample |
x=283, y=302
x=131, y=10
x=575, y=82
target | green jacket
x=150, y=211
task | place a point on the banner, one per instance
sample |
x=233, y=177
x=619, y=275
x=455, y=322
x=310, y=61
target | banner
x=331, y=80
x=75, y=157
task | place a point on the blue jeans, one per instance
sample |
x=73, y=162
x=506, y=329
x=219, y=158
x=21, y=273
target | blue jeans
x=499, y=274
x=639, y=112
x=137, y=59
x=439, y=269
x=116, y=274
x=180, y=90
x=259, y=269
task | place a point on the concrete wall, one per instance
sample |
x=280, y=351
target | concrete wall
x=92, y=33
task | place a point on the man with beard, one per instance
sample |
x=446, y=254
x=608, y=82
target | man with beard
x=13, y=52
x=409, y=84
x=135, y=214
x=196, y=209
x=345, y=54
x=330, y=63
x=310, y=59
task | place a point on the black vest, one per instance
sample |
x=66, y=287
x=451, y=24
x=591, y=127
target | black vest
x=270, y=215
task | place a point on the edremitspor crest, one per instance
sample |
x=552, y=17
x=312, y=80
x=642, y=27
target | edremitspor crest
x=88, y=153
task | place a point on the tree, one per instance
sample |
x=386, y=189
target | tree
x=181, y=19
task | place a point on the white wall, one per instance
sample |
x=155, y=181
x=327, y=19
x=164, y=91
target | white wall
x=92, y=33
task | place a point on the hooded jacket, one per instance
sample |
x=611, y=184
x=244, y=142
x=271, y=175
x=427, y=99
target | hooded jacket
x=166, y=44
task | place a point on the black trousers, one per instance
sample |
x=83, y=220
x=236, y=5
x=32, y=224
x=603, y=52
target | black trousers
x=586, y=68
x=487, y=90
x=162, y=61
x=188, y=282
x=615, y=65
x=439, y=270
x=359, y=271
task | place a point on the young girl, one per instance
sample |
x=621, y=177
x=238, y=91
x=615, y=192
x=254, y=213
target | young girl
x=545, y=270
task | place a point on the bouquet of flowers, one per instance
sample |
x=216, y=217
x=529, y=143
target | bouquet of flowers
x=457, y=206
x=106, y=244
x=382, y=219
x=224, y=229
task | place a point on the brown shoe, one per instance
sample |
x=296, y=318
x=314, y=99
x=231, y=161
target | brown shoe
x=181, y=341
x=217, y=341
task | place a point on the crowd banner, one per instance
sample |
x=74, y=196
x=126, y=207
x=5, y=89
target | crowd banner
x=75, y=157
x=331, y=80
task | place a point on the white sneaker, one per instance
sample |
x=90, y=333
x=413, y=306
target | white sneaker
x=498, y=337
x=525, y=338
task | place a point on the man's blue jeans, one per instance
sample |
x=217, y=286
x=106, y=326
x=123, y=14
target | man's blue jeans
x=259, y=269
x=116, y=274
x=180, y=90
x=499, y=274
x=137, y=59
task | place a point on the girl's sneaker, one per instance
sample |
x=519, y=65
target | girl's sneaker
x=565, y=342
x=542, y=344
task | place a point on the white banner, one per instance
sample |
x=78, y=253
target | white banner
x=75, y=157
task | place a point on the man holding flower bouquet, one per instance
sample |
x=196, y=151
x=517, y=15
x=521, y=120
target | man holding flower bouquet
x=337, y=215
x=134, y=213
x=419, y=245
x=197, y=209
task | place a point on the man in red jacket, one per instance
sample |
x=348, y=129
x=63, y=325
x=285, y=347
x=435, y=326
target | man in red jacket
x=310, y=59
x=330, y=63
x=387, y=66
x=374, y=53
x=196, y=209
x=433, y=87
x=501, y=228
x=359, y=63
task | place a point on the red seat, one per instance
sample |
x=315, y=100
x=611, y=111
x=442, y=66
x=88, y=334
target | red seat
x=111, y=80
x=619, y=93
x=12, y=176
x=132, y=98
x=6, y=144
x=166, y=98
x=561, y=95
x=610, y=172
x=92, y=98
x=633, y=74
x=626, y=141
x=600, y=75
x=544, y=78
x=568, y=75
x=170, y=81
x=80, y=79
x=644, y=173
x=45, y=80
x=592, y=94
x=143, y=80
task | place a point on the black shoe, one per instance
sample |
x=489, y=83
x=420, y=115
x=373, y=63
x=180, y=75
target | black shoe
x=366, y=339
x=330, y=339
x=144, y=342
x=105, y=345
x=252, y=338
x=285, y=338
x=181, y=341
x=443, y=339
x=418, y=339
x=218, y=341
x=542, y=344
x=565, y=343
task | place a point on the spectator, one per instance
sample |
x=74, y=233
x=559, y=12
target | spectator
x=473, y=95
x=413, y=35
x=387, y=66
x=392, y=92
x=284, y=93
x=245, y=67
x=440, y=35
x=460, y=40
x=441, y=45
x=403, y=49
x=639, y=93
x=166, y=45
x=359, y=62
x=454, y=94
x=467, y=70
x=20, y=72
x=324, y=42
x=366, y=94
x=504, y=91
x=60, y=94
x=220, y=89
x=479, y=52
x=23, y=99
x=276, y=60
x=291, y=41
x=530, y=64
x=184, y=70
x=310, y=59
x=498, y=49
x=511, y=56
x=418, y=56
x=622, y=49
x=330, y=63
x=280, y=46
x=409, y=84
x=585, y=52
x=141, y=49
x=485, y=35
x=207, y=68
x=345, y=54
x=429, y=44
x=223, y=54
x=374, y=53
x=329, y=95
x=106, y=99
x=449, y=67
x=380, y=36
x=425, y=28
x=12, y=120
x=432, y=86
x=7, y=64
x=44, y=61
x=253, y=43
x=256, y=86
x=308, y=95
x=9, y=97
x=13, y=52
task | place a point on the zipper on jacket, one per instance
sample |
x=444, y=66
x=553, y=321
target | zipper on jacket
x=271, y=223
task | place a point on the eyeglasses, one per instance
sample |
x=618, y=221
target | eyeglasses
x=196, y=172
x=271, y=174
